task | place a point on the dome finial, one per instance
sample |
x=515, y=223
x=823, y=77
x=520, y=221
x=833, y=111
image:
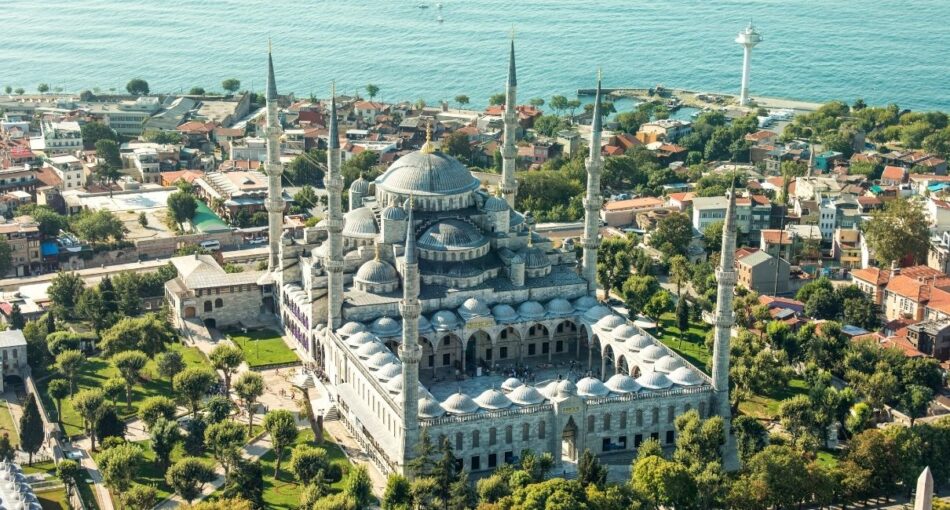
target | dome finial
x=428, y=147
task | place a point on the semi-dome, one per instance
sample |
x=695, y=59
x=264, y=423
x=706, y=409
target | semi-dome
x=652, y=353
x=585, y=303
x=378, y=272
x=531, y=310
x=444, y=320
x=596, y=313
x=351, y=328
x=639, y=342
x=427, y=173
x=357, y=340
x=360, y=223
x=511, y=383
x=492, y=399
x=654, y=381
x=368, y=349
x=460, y=403
x=526, y=395
x=622, y=383
x=385, y=326
x=495, y=204
x=389, y=371
x=559, y=306
x=566, y=388
x=667, y=364
x=610, y=322
x=380, y=360
x=591, y=387
x=504, y=313
x=624, y=331
x=429, y=407
x=394, y=213
x=451, y=234
x=474, y=307
x=685, y=377
x=360, y=185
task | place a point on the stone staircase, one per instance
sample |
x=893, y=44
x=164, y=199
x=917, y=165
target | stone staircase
x=332, y=414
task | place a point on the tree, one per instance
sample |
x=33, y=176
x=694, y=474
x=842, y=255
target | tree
x=42, y=88
x=613, y=263
x=70, y=473
x=169, y=363
x=194, y=442
x=461, y=493
x=660, y=303
x=92, y=132
x=7, y=452
x=155, y=408
x=559, y=103
x=282, y=427
x=58, y=390
x=457, y=144
x=861, y=312
x=225, y=439
x=249, y=387
x=148, y=333
x=162, y=137
x=182, y=207
x=776, y=477
x=637, y=290
x=397, y=494
x=549, y=125
x=915, y=401
x=218, y=408
x=227, y=359
x=98, y=226
x=245, y=482
x=31, y=428
x=372, y=90
x=306, y=169
x=306, y=198
x=461, y=100
x=69, y=363
x=108, y=150
x=110, y=429
x=673, y=234
x=130, y=365
x=590, y=471
x=114, y=387
x=143, y=496
x=188, y=476
x=497, y=99
x=64, y=292
x=137, y=87
x=875, y=460
x=662, y=483
x=231, y=85
x=165, y=435
x=899, y=231
x=751, y=437
x=682, y=317
x=118, y=465
x=196, y=91
x=192, y=384
x=755, y=369
x=107, y=175
x=306, y=462
x=679, y=272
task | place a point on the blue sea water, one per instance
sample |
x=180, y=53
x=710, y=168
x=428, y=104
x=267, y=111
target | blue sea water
x=813, y=49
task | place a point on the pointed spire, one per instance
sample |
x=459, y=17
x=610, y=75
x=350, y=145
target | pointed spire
x=597, y=125
x=428, y=147
x=334, y=136
x=512, y=75
x=731, y=207
x=271, y=92
x=410, y=236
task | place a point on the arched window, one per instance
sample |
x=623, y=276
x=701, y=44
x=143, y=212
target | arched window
x=474, y=439
x=458, y=441
x=208, y=306
x=492, y=436
x=607, y=421
x=590, y=424
x=656, y=416
x=623, y=419
x=218, y=303
x=508, y=433
x=639, y=417
x=525, y=432
x=670, y=414
x=541, y=431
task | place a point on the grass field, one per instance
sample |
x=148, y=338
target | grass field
x=691, y=346
x=765, y=407
x=149, y=473
x=7, y=426
x=57, y=499
x=284, y=493
x=263, y=347
x=97, y=370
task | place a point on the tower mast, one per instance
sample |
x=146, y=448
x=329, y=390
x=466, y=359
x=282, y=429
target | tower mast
x=593, y=200
x=509, y=151
x=748, y=38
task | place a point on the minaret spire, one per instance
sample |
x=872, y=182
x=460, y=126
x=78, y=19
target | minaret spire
x=726, y=277
x=409, y=351
x=509, y=149
x=274, y=169
x=593, y=200
x=334, y=256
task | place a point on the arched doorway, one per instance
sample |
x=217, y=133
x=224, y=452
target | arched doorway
x=607, y=363
x=448, y=353
x=189, y=312
x=508, y=346
x=622, y=367
x=211, y=323
x=593, y=354
x=479, y=352
x=428, y=355
x=565, y=337
x=569, y=441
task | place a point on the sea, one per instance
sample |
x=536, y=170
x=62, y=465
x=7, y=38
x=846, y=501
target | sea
x=813, y=50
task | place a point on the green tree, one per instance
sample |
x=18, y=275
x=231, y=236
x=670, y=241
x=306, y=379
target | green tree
x=110, y=429
x=143, y=496
x=660, y=303
x=188, y=476
x=282, y=427
x=156, y=407
x=7, y=452
x=108, y=150
x=107, y=175
x=182, y=207
x=227, y=359
x=94, y=131
x=497, y=99
x=90, y=307
x=306, y=169
x=751, y=436
x=137, y=87
x=371, y=91
x=673, y=234
x=118, y=465
x=358, y=487
x=58, y=390
x=70, y=473
x=755, y=368
x=613, y=263
x=559, y=103
x=900, y=230
x=225, y=440
x=590, y=471
x=457, y=144
x=637, y=291
x=397, y=495
x=307, y=462
x=660, y=482
x=218, y=408
x=69, y=363
x=143, y=220
x=42, y=88
x=249, y=387
x=196, y=91
x=461, y=100
x=192, y=384
x=549, y=125
x=98, y=226
x=114, y=388
x=90, y=403
x=130, y=365
x=148, y=333
x=31, y=428
x=245, y=482
x=64, y=292
x=165, y=435
x=776, y=477
x=162, y=137
x=231, y=85
x=169, y=364
x=915, y=401
x=536, y=102
x=875, y=460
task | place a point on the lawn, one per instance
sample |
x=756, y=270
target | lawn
x=56, y=499
x=149, y=473
x=7, y=426
x=284, y=493
x=692, y=346
x=765, y=407
x=827, y=459
x=263, y=347
x=97, y=370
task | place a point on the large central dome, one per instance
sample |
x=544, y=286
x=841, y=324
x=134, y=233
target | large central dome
x=427, y=173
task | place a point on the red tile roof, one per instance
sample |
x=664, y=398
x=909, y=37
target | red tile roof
x=634, y=203
x=683, y=196
x=194, y=126
x=894, y=173
x=776, y=236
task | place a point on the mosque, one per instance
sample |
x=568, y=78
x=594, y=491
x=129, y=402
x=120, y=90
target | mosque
x=432, y=305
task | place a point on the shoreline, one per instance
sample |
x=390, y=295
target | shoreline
x=690, y=98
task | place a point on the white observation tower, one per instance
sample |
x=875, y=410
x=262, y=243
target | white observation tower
x=748, y=38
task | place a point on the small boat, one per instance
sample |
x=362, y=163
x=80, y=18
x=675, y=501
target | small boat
x=440, y=19
x=422, y=6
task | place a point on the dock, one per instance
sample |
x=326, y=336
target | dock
x=701, y=100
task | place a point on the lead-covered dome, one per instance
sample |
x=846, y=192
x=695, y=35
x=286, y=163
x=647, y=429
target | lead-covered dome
x=534, y=258
x=526, y=395
x=585, y=303
x=351, y=328
x=451, y=234
x=652, y=353
x=492, y=399
x=429, y=407
x=596, y=313
x=385, y=326
x=359, y=339
x=377, y=272
x=622, y=383
x=394, y=213
x=685, y=377
x=591, y=387
x=511, y=383
x=380, y=360
x=444, y=320
x=495, y=204
x=610, y=322
x=360, y=185
x=531, y=310
x=427, y=173
x=654, y=381
x=368, y=349
x=474, y=307
x=624, y=331
x=504, y=313
x=667, y=364
x=565, y=388
x=360, y=223
x=460, y=403
x=639, y=342
x=560, y=306
x=393, y=369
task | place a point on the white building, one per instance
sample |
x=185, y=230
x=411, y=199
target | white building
x=127, y=117
x=707, y=210
x=58, y=138
x=70, y=170
x=147, y=163
x=253, y=149
x=13, y=352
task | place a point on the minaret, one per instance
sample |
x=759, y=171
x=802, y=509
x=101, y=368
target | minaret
x=275, y=199
x=509, y=151
x=726, y=278
x=334, y=255
x=593, y=200
x=748, y=38
x=409, y=351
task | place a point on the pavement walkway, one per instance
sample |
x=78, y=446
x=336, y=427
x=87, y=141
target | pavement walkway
x=355, y=453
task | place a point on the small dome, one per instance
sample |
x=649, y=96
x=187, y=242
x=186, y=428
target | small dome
x=368, y=349
x=357, y=340
x=377, y=272
x=380, y=360
x=667, y=364
x=610, y=322
x=652, y=353
x=504, y=313
x=360, y=223
x=685, y=377
x=585, y=303
x=527, y=395
x=549, y=390
x=559, y=306
x=394, y=213
x=451, y=234
x=492, y=399
x=460, y=403
x=511, y=383
x=639, y=342
x=389, y=371
x=591, y=387
x=596, y=313
x=424, y=324
x=444, y=320
x=624, y=331
x=495, y=204
x=531, y=310
x=360, y=185
x=654, y=381
x=565, y=388
x=385, y=326
x=622, y=383
x=351, y=328
x=474, y=307
x=534, y=258
x=395, y=384
x=429, y=407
